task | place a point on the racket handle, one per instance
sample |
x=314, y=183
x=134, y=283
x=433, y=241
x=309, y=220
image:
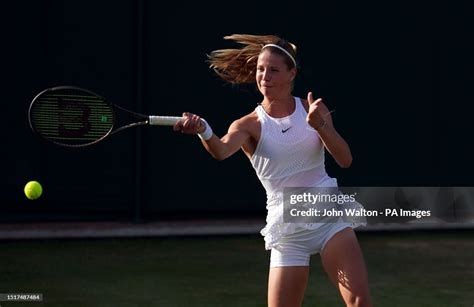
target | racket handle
x=163, y=120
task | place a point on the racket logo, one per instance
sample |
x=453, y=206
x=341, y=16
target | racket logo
x=73, y=118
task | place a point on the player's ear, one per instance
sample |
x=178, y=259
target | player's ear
x=293, y=74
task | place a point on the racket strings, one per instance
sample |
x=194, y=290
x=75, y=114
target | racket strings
x=71, y=117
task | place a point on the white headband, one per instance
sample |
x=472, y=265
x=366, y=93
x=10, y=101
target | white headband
x=282, y=49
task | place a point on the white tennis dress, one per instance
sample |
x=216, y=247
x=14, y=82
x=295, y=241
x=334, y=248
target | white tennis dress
x=289, y=154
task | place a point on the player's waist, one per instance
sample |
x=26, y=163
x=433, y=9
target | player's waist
x=313, y=177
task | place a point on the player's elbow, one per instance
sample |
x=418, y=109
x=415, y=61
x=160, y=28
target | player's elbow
x=219, y=157
x=345, y=163
x=222, y=152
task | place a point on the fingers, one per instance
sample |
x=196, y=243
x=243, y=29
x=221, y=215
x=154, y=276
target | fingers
x=318, y=101
x=311, y=99
x=178, y=126
x=190, y=123
x=317, y=112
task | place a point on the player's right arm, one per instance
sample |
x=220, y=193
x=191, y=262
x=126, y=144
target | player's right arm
x=219, y=148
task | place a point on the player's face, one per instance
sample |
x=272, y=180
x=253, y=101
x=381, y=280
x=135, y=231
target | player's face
x=274, y=79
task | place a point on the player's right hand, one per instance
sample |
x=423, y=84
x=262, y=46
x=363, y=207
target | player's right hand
x=190, y=124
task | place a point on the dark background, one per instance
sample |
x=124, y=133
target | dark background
x=398, y=74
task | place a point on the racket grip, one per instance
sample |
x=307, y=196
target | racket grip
x=163, y=120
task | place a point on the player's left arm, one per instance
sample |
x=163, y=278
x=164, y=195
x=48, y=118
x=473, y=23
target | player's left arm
x=319, y=117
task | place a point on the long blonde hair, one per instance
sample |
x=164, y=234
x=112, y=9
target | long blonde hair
x=239, y=65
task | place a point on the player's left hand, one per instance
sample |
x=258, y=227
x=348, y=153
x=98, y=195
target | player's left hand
x=318, y=113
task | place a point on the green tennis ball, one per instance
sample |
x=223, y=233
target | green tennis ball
x=33, y=190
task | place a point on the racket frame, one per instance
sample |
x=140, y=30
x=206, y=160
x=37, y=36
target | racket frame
x=143, y=119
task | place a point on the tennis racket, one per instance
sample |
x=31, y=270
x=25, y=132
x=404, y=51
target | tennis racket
x=74, y=117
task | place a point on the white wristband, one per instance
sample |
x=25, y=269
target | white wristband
x=207, y=134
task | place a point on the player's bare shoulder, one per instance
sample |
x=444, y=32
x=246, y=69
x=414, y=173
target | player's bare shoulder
x=248, y=123
x=251, y=125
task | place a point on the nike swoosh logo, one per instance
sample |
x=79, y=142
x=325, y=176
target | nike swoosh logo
x=285, y=130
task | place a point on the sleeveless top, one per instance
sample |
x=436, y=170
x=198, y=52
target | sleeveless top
x=288, y=154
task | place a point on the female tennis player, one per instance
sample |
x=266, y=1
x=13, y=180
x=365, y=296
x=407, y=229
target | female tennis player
x=284, y=139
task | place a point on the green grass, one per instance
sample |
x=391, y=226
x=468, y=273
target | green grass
x=405, y=269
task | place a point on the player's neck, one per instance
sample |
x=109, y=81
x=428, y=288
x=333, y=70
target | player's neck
x=279, y=107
